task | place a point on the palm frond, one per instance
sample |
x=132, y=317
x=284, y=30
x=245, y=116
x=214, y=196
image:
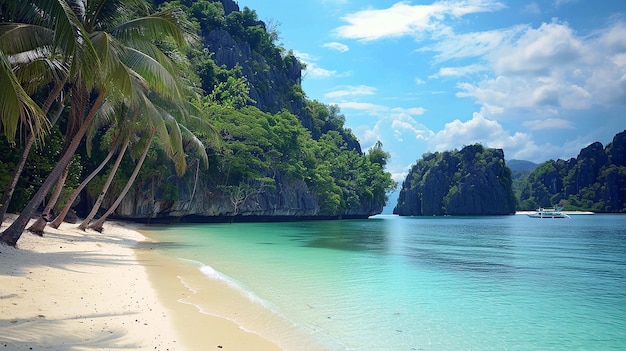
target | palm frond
x=193, y=145
x=105, y=117
x=113, y=71
x=36, y=69
x=154, y=27
x=159, y=79
x=16, y=38
x=17, y=106
x=173, y=143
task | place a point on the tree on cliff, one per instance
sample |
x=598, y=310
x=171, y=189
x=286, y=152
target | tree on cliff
x=473, y=181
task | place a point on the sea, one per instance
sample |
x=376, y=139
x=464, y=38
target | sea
x=420, y=283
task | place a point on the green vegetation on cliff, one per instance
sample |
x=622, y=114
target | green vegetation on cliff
x=473, y=181
x=239, y=102
x=593, y=181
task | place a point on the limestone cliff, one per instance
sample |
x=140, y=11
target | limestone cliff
x=473, y=181
x=288, y=200
x=593, y=181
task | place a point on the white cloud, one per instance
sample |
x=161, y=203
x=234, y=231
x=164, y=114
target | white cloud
x=419, y=81
x=372, y=109
x=489, y=133
x=549, y=70
x=313, y=70
x=458, y=71
x=545, y=96
x=381, y=110
x=337, y=46
x=548, y=123
x=475, y=44
x=416, y=130
x=351, y=91
x=402, y=19
x=539, y=51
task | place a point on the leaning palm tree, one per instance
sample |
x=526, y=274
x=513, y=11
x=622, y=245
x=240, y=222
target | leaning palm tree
x=109, y=30
x=176, y=139
x=41, y=29
x=28, y=67
x=113, y=148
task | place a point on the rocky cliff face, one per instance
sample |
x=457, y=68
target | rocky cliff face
x=270, y=84
x=288, y=200
x=272, y=76
x=473, y=181
x=595, y=180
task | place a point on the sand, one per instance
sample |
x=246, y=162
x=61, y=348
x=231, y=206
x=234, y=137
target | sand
x=74, y=290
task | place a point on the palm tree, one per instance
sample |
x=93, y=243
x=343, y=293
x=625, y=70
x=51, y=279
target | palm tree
x=68, y=205
x=125, y=46
x=30, y=71
x=174, y=136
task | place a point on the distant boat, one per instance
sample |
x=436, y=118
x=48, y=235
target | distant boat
x=548, y=213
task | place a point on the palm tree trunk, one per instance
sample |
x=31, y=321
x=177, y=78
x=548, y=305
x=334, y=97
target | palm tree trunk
x=40, y=224
x=12, y=234
x=105, y=187
x=8, y=192
x=68, y=205
x=97, y=225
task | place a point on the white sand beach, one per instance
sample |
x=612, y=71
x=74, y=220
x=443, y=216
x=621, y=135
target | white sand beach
x=74, y=290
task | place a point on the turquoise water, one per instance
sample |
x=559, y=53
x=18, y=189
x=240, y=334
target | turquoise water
x=416, y=283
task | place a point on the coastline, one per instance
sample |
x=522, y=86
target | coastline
x=74, y=290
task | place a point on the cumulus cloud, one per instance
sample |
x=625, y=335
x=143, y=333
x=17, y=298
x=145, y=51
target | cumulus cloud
x=490, y=133
x=551, y=69
x=539, y=51
x=403, y=19
x=479, y=129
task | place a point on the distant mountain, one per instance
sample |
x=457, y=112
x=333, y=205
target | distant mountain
x=473, y=181
x=521, y=165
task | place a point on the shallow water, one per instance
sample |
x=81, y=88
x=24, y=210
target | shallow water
x=417, y=283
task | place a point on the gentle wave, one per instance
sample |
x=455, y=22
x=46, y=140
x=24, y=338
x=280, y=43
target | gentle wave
x=213, y=274
x=275, y=327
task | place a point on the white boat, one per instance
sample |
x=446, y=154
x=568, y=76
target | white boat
x=548, y=213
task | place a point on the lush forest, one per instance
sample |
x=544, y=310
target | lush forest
x=168, y=109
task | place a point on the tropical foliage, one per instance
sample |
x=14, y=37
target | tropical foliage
x=132, y=83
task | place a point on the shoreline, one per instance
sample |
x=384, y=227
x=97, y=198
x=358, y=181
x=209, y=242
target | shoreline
x=74, y=290
x=200, y=294
x=181, y=287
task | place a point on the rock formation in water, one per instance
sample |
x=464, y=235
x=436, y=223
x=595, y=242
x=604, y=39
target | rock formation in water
x=470, y=182
x=593, y=181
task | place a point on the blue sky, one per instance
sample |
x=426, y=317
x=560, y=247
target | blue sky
x=539, y=79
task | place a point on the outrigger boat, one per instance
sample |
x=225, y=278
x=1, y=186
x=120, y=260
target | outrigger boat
x=548, y=213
